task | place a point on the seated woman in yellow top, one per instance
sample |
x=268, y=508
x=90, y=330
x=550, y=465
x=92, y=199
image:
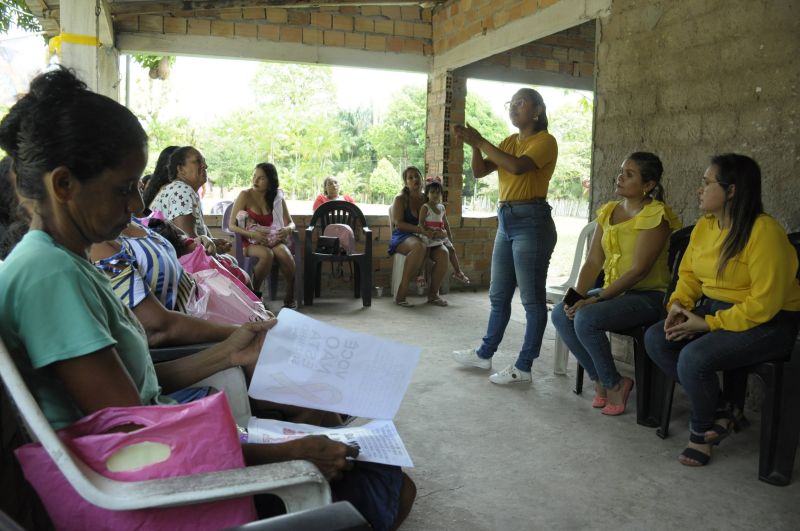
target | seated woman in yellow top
x=737, y=301
x=630, y=246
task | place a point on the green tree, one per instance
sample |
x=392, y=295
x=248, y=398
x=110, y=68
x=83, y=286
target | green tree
x=16, y=13
x=480, y=116
x=571, y=124
x=357, y=153
x=383, y=183
x=400, y=138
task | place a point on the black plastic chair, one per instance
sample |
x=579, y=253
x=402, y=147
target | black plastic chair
x=780, y=410
x=649, y=383
x=345, y=213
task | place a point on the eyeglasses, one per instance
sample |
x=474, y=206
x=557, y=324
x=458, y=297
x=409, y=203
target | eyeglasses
x=514, y=104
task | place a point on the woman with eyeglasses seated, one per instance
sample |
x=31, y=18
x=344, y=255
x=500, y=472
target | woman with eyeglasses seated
x=330, y=189
x=526, y=234
x=737, y=301
x=77, y=157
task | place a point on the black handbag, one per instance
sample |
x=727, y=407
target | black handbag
x=328, y=245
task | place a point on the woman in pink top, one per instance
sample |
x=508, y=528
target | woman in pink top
x=263, y=207
x=330, y=187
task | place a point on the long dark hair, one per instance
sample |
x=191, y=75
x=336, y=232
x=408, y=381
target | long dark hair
x=406, y=191
x=272, y=182
x=178, y=158
x=744, y=174
x=160, y=176
x=60, y=122
x=651, y=169
x=536, y=99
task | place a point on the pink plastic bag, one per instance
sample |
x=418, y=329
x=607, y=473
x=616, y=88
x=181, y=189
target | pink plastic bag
x=220, y=300
x=201, y=436
x=198, y=260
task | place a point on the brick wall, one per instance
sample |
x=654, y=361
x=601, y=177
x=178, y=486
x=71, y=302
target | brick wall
x=405, y=30
x=688, y=79
x=458, y=21
x=475, y=238
x=565, y=55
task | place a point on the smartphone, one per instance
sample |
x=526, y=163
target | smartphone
x=572, y=296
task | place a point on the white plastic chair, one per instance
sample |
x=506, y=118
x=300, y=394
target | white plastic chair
x=556, y=293
x=298, y=483
x=399, y=263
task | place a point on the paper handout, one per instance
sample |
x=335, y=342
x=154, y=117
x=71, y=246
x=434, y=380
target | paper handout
x=308, y=363
x=377, y=441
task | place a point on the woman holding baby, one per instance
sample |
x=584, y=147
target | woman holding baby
x=260, y=215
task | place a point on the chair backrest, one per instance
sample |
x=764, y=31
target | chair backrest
x=391, y=220
x=226, y=218
x=581, y=251
x=338, y=211
x=678, y=242
x=794, y=239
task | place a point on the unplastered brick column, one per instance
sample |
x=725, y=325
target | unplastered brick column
x=443, y=155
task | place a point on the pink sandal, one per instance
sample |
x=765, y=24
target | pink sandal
x=618, y=409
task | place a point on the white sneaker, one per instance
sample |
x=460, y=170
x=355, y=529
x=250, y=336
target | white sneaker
x=510, y=375
x=470, y=358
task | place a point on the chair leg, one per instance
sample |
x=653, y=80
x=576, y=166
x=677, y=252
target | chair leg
x=308, y=281
x=579, y=380
x=356, y=279
x=318, y=280
x=274, y=276
x=668, y=388
x=645, y=413
x=561, y=356
x=366, y=285
x=780, y=426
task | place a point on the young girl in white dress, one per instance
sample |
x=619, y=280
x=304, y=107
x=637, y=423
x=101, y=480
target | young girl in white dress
x=433, y=219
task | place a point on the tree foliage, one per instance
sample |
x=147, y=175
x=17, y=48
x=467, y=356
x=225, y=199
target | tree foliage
x=16, y=13
x=293, y=121
x=571, y=124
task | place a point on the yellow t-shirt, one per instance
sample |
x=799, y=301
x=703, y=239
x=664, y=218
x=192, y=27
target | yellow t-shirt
x=619, y=243
x=542, y=149
x=759, y=281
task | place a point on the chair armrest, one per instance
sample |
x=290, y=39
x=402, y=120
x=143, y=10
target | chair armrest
x=339, y=516
x=172, y=353
x=299, y=484
x=367, y=240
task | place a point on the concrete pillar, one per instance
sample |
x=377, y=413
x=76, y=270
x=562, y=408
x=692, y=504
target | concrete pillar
x=87, y=44
x=443, y=154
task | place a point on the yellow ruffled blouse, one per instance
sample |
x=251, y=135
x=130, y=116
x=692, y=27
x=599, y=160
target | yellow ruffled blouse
x=619, y=243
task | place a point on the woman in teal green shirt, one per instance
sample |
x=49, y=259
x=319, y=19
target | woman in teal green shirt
x=77, y=157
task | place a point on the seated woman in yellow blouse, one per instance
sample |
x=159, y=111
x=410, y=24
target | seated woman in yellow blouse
x=630, y=246
x=737, y=301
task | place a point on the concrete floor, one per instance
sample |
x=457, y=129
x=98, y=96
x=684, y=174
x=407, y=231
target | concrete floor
x=539, y=457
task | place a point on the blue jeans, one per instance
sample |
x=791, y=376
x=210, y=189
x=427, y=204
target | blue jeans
x=586, y=335
x=694, y=363
x=526, y=236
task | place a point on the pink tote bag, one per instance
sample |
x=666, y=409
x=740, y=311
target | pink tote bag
x=191, y=438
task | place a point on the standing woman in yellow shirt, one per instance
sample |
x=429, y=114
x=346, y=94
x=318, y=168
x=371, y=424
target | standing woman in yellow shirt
x=630, y=246
x=526, y=234
x=737, y=301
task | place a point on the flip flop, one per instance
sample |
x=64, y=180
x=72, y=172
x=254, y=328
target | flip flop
x=438, y=302
x=461, y=277
x=404, y=303
x=291, y=305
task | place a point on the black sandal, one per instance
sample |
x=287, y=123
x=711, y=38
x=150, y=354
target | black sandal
x=699, y=458
x=720, y=431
